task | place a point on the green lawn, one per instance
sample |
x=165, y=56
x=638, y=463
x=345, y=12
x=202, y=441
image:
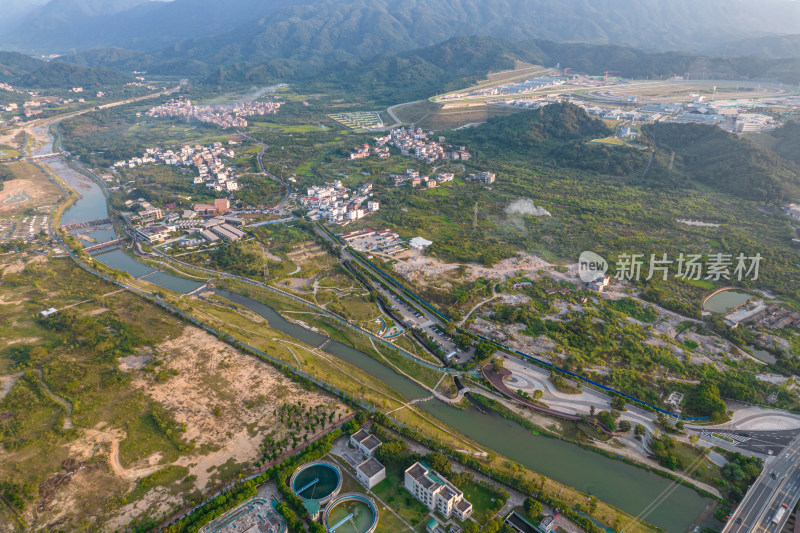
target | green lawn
x=484, y=502
x=390, y=491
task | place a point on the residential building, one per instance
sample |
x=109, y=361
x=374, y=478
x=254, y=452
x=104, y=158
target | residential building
x=482, y=177
x=148, y=213
x=435, y=492
x=205, y=209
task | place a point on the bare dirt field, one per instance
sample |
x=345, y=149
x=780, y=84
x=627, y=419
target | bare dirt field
x=418, y=267
x=31, y=188
x=225, y=399
x=212, y=375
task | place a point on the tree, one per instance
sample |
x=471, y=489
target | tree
x=497, y=365
x=618, y=403
x=607, y=419
x=532, y=507
x=624, y=426
x=471, y=527
x=440, y=463
x=484, y=350
x=462, y=341
x=639, y=430
x=537, y=394
x=706, y=401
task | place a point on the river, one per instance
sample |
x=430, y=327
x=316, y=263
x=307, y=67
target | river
x=93, y=205
x=632, y=489
x=625, y=486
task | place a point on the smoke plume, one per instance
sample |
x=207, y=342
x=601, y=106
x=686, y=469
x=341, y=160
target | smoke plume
x=525, y=206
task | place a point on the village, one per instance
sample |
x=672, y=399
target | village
x=333, y=202
x=206, y=159
x=413, y=142
x=230, y=116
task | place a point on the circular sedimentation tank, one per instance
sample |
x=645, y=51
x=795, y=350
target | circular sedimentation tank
x=319, y=481
x=351, y=513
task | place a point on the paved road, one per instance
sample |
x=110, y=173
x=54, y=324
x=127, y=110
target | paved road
x=779, y=484
x=764, y=443
x=278, y=208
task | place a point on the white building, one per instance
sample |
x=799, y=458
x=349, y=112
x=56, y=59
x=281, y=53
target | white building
x=435, y=492
x=418, y=243
x=370, y=472
x=153, y=234
x=365, y=442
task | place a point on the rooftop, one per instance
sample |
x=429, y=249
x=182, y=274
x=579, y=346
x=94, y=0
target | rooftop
x=370, y=467
x=371, y=442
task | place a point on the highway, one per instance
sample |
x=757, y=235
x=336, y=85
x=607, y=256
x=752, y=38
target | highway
x=778, y=484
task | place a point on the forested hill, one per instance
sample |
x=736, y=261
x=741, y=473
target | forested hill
x=390, y=79
x=560, y=134
x=554, y=135
x=788, y=144
x=13, y=64
x=24, y=71
x=727, y=163
x=556, y=122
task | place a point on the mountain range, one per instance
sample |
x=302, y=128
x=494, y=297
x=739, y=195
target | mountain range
x=224, y=31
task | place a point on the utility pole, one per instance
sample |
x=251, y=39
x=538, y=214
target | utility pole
x=264, y=258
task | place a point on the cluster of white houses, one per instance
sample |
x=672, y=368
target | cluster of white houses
x=362, y=152
x=206, y=159
x=412, y=178
x=415, y=142
x=333, y=202
x=223, y=116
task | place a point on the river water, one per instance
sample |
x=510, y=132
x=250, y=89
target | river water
x=634, y=490
x=625, y=486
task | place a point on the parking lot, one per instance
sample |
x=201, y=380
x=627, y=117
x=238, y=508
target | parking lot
x=25, y=228
x=413, y=317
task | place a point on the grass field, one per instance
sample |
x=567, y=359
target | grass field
x=612, y=141
x=8, y=151
x=446, y=119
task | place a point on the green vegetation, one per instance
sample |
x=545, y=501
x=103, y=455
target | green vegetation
x=726, y=162
x=486, y=499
